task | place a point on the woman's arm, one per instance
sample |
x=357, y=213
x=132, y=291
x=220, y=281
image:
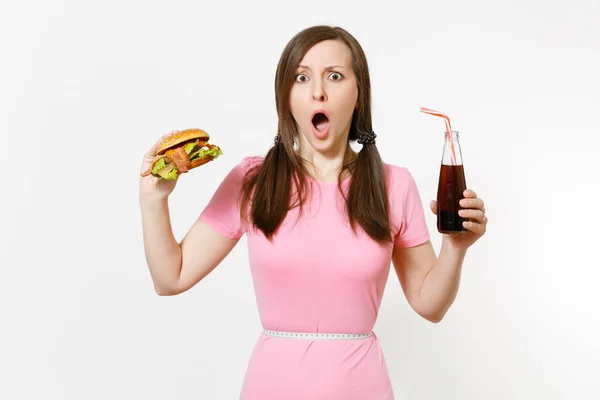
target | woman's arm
x=176, y=267
x=430, y=284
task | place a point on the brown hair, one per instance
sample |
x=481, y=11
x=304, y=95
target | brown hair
x=268, y=186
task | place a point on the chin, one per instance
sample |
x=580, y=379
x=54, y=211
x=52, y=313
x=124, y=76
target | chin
x=323, y=146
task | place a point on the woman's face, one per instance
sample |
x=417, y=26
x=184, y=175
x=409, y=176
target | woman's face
x=324, y=95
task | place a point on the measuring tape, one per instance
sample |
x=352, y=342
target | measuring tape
x=317, y=336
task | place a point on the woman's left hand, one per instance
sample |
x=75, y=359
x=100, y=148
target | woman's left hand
x=474, y=210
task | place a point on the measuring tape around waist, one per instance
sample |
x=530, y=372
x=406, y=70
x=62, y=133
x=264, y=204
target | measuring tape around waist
x=317, y=336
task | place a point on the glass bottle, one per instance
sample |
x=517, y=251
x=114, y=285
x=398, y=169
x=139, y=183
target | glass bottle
x=451, y=187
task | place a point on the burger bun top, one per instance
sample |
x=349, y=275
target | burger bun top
x=182, y=137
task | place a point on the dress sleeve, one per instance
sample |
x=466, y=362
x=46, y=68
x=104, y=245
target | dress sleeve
x=222, y=212
x=408, y=210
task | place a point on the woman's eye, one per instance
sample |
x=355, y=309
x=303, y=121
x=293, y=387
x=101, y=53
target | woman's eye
x=301, y=78
x=336, y=76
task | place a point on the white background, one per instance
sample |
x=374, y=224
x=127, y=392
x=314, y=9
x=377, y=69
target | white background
x=87, y=87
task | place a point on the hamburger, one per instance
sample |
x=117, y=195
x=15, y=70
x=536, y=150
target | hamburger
x=182, y=152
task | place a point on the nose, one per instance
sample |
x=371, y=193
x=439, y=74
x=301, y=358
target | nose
x=319, y=92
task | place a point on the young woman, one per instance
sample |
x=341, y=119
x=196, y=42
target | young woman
x=323, y=224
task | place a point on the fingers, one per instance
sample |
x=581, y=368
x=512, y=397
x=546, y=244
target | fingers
x=433, y=206
x=474, y=215
x=469, y=202
x=475, y=212
x=470, y=193
x=477, y=228
x=473, y=209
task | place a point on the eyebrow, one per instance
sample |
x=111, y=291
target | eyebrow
x=327, y=68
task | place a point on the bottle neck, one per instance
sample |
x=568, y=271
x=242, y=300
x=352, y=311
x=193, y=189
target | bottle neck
x=452, y=153
x=454, y=135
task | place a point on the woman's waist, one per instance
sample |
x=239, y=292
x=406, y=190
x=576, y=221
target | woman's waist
x=320, y=335
x=316, y=326
x=348, y=369
x=316, y=352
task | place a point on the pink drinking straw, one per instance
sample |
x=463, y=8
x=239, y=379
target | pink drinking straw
x=448, y=129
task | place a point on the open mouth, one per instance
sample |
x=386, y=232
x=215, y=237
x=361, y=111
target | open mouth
x=320, y=121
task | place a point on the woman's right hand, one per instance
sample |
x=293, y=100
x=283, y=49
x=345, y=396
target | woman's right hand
x=151, y=186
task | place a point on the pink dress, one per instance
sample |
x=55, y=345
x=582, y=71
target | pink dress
x=317, y=276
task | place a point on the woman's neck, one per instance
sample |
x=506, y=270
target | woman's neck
x=326, y=167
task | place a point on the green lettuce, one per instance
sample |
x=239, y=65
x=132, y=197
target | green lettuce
x=162, y=170
x=214, y=153
x=158, y=165
x=190, y=146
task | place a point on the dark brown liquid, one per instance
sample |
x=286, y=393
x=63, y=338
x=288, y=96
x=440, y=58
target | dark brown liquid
x=450, y=191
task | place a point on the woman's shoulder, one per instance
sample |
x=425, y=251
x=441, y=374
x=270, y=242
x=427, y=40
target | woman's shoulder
x=249, y=162
x=399, y=180
x=397, y=174
x=401, y=187
x=245, y=163
x=253, y=159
